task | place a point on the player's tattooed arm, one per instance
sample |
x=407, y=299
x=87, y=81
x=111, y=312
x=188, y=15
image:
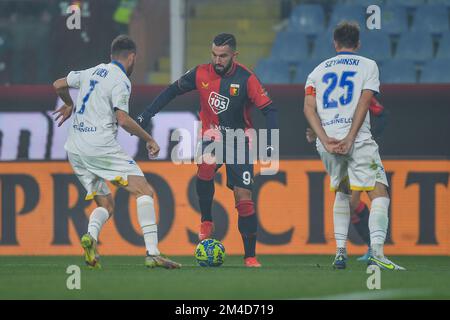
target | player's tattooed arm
x=362, y=108
x=62, y=90
x=129, y=125
x=310, y=111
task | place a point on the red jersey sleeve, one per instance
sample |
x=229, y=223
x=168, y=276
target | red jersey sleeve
x=375, y=107
x=256, y=93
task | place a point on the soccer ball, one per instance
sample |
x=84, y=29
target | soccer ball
x=210, y=253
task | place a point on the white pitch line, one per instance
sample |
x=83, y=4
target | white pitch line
x=375, y=295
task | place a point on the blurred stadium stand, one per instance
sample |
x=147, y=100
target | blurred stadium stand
x=443, y=50
x=32, y=40
x=273, y=71
x=297, y=33
x=436, y=71
x=290, y=46
x=394, y=19
x=398, y=71
x=376, y=45
x=304, y=69
x=413, y=40
x=307, y=18
x=432, y=18
x=415, y=45
x=251, y=21
x=347, y=12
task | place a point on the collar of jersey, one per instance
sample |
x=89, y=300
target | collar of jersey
x=346, y=52
x=117, y=63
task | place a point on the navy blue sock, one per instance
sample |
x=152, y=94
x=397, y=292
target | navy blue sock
x=205, y=192
x=247, y=228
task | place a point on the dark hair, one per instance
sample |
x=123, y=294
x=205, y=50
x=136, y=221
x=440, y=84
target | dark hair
x=122, y=46
x=225, y=39
x=346, y=34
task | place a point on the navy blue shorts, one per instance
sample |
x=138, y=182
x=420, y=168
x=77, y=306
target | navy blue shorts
x=237, y=161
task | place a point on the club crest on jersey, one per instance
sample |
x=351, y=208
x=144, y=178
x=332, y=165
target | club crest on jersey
x=234, y=89
x=218, y=103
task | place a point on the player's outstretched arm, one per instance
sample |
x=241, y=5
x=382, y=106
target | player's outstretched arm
x=358, y=119
x=160, y=102
x=129, y=125
x=185, y=84
x=62, y=90
x=310, y=111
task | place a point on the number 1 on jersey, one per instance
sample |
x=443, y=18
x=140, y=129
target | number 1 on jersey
x=344, y=82
x=86, y=97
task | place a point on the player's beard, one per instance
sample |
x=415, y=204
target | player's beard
x=130, y=70
x=224, y=70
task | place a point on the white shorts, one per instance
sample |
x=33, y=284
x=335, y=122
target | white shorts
x=94, y=171
x=362, y=166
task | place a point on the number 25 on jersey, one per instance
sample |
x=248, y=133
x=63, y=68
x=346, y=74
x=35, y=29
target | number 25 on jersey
x=345, y=82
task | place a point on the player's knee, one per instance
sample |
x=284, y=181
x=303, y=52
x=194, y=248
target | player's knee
x=106, y=202
x=245, y=208
x=110, y=208
x=142, y=188
x=206, y=171
x=146, y=190
x=242, y=194
x=380, y=191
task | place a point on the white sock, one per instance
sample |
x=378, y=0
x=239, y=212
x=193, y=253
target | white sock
x=378, y=223
x=147, y=220
x=341, y=215
x=96, y=221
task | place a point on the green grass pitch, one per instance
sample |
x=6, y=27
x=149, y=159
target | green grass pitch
x=282, y=277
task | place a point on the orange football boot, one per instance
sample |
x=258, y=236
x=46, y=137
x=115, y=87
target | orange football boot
x=206, y=230
x=252, y=262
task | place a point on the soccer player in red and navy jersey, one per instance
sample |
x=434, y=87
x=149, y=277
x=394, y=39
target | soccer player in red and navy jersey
x=228, y=91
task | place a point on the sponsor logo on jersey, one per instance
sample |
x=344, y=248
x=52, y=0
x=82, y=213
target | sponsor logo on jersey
x=81, y=128
x=234, y=89
x=218, y=103
x=219, y=127
x=205, y=85
x=336, y=120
